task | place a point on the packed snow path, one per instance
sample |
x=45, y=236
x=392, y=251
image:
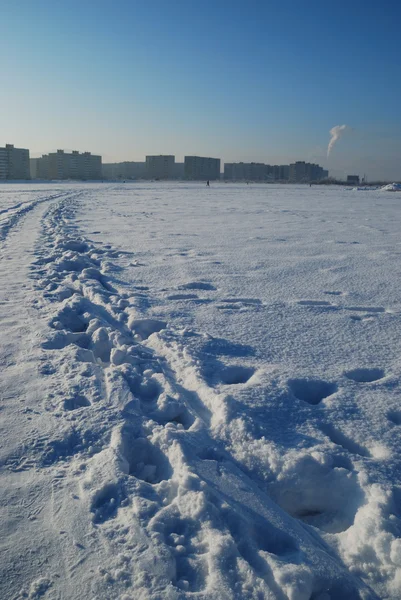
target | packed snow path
x=200, y=392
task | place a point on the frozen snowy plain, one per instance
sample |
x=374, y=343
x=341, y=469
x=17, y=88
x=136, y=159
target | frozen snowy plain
x=200, y=392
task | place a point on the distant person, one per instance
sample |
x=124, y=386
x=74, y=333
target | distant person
x=207, y=183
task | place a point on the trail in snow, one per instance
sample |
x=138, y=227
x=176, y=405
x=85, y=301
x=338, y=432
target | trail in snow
x=11, y=215
x=163, y=462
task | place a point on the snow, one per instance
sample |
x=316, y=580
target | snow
x=200, y=392
x=392, y=187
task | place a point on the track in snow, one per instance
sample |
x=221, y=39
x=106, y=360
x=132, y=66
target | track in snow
x=145, y=470
x=145, y=452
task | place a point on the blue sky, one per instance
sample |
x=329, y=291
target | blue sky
x=241, y=80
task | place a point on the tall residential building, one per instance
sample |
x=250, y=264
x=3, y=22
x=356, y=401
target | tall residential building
x=160, y=167
x=179, y=170
x=284, y=172
x=3, y=163
x=245, y=171
x=124, y=170
x=14, y=163
x=201, y=168
x=33, y=167
x=255, y=172
x=302, y=171
x=64, y=165
x=298, y=171
x=139, y=170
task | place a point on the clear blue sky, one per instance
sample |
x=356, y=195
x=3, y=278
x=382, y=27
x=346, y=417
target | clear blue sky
x=241, y=80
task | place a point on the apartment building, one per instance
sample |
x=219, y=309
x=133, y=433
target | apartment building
x=245, y=171
x=124, y=170
x=302, y=171
x=201, y=168
x=33, y=167
x=14, y=162
x=160, y=167
x=64, y=165
x=3, y=163
x=284, y=172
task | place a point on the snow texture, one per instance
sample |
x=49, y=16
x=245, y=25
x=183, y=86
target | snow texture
x=199, y=392
x=392, y=187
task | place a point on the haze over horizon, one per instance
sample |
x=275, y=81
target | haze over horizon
x=262, y=82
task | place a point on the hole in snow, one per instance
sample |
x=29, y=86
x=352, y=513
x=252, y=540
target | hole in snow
x=365, y=375
x=197, y=285
x=312, y=391
x=105, y=503
x=325, y=498
x=236, y=374
x=145, y=461
x=394, y=416
x=76, y=402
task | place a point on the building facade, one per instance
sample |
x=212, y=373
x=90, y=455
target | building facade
x=33, y=167
x=139, y=170
x=14, y=163
x=255, y=172
x=245, y=171
x=64, y=165
x=201, y=168
x=124, y=170
x=301, y=171
x=160, y=167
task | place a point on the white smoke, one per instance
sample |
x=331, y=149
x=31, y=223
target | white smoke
x=336, y=133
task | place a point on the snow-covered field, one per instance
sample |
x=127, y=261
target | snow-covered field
x=200, y=392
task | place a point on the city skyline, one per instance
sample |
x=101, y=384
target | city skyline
x=83, y=166
x=255, y=82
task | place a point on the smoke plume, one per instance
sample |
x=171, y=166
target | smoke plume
x=336, y=133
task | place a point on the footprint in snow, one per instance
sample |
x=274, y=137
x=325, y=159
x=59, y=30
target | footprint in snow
x=317, y=304
x=183, y=297
x=142, y=459
x=197, y=285
x=243, y=304
x=76, y=402
x=189, y=547
x=144, y=328
x=394, y=416
x=366, y=309
x=312, y=391
x=315, y=495
x=236, y=374
x=218, y=373
x=105, y=503
x=365, y=375
x=366, y=317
